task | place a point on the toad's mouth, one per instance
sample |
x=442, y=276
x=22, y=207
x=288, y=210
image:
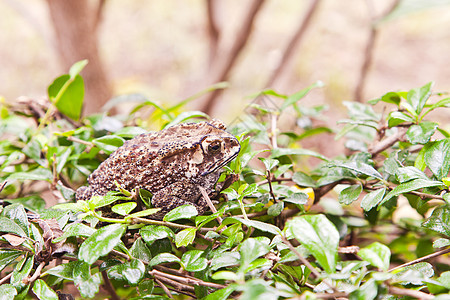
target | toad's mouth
x=222, y=163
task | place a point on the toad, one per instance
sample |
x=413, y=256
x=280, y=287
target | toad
x=171, y=164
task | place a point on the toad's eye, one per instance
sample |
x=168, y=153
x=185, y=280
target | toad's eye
x=214, y=147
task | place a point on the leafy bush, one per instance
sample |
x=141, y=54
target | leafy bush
x=295, y=223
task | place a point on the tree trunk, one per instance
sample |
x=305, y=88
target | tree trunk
x=75, y=25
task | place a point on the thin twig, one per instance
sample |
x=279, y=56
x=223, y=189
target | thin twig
x=166, y=290
x=6, y=278
x=109, y=287
x=409, y=292
x=36, y=274
x=77, y=140
x=187, y=280
x=269, y=175
x=420, y=259
x=388, y=142
x=209, y=202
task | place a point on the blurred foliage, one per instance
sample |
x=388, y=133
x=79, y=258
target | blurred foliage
x=290, y=226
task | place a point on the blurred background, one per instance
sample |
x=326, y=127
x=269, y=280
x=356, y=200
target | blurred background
x=169, y=50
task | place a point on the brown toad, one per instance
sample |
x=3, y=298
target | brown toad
x=172, y=164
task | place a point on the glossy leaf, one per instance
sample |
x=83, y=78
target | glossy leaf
x=409, y=186
x=418, y=97
x=101, y=242
x=17, y=214
x=7, y=292
x=359, y=167
x=9, y=226
x=350, y=194
x=250, y=250
x=163, y=258
x=124, y=208
x=75, y=229
x=421, y=134
x=317, y=234
x=377, y=254
x=151, y=233
x=194, y=261
x=372, y=199
x=7, y=256
x=67, y=94
x=439, y=220
x=396, y=118
x=185, y=237
x=437, y=158
x=43, y=291
x=131, y=271
x=21, y=271
x=181, y=212
x=108, y=143
x=263, y=226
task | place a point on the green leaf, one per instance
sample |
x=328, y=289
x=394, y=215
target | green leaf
x=277, y=152
x=17, y=214
x=224, y=259
x=263, y=226
x=193, y=261
x=131, y=271
x=21, y=271
x=396, y=117
x=67, y=94
x=294, y=98
x=372, y=199
x=143, y=213
x=77, y=67
x=164, y=258
x=43, y=291
x=303, y=179
x=36, y=174
x=350, y=194
x=140, y=251
x=185, y=237
x=275, y=209
x=421, y=134
x=7, y=256
x=101, y=242
x=64, y=271
x=317, y=234
x=108, y=143
x=222, y=294
x=269, y=163
x=151, y=233
x=7, y=292
x=405, y=174
x=250, y=250
x=441, y=243
x=409, y=186
x=9, y=226
x=124, y=208
x=109, y=198
x=418, y=97
x=441, y=103
x=439, y=220
x=75, y=229
x=437, y=158
x=377, y=254
x=181, y=212
x=359, y=167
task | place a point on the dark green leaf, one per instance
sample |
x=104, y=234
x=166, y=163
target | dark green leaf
x=418, y=97
x=131, y=271
x=409, y=186
x=222, y=294
x=63, y=270
x=421, y=134
x=181, y=212
x=350, y=194
x=250, y=250
x=34, y=203
x=163, y=258
x=439, y=220
x=193, y=261
x=185, y=237
x=21, y=271
x=319, y=236
x=372, y=199
x=151, y=233
x=140, y=251
x=225, y=259
x=437, y=158
x=43, y=291
x=9, y=226
x=101, y=242
x=275, y=209
x=377, y=254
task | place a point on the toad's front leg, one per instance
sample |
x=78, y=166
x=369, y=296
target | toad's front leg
x=177, y=194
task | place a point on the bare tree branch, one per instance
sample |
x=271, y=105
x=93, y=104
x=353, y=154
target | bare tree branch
x=294, y=42
x=229, y=61
x=213, y=31
x=369, y=50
